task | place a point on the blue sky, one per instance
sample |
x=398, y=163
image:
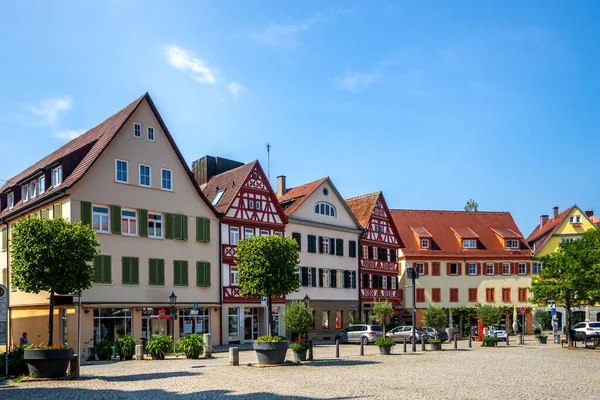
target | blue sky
x=432, y=102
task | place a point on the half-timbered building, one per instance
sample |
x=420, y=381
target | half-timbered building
x=378, y=255
x=248, y=208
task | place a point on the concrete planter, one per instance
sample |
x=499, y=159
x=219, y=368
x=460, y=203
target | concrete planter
x=270, y=353
x=48, y=363
x=300, y=355
x=385, y=349
x=542, y=339
x=435, y=345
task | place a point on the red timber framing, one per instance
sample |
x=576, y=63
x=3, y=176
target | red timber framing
x=252, y=210
x=378, y=249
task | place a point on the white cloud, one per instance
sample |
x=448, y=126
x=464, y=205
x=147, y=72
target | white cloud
x=355, y=82
x=185, y=61
x=278, y=36
x=69, y=134
x=49, y=110
x=236, y=88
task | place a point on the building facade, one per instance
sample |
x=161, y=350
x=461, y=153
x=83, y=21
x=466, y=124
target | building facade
x=378, y=255
x=327, y=233
x=464, y=259
x=248, y=207
x=127, y=179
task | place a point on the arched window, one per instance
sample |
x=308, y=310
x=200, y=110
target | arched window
x=326, y=209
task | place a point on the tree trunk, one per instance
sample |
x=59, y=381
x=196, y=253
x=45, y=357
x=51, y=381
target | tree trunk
x=568, y=330
x=51, y=318
x=270, y=317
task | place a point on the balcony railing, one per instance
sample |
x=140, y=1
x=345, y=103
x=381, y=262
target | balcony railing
x=380, y=265
x=233, y=293
x=380, y=293
x=229, y=251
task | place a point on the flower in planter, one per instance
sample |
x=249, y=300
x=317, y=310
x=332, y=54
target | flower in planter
x=385, y=342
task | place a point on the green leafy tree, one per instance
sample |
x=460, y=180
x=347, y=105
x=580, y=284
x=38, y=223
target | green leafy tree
x=268, y=266
x=382, y=312
x=542, y=318
x=570, y=276
x=53, y=256
x=471, y=205
x=435, y=317
x=298, y=318
x=489, y=315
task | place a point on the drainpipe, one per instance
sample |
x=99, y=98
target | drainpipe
x=358, y=273
x=220, y=217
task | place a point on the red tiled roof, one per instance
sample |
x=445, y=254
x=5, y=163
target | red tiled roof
x=230, y=181
x=421, y=232
x=294, y=197
x=506, y=233
x=465, y=233
x=362, y=207
x=595, y=219
x=444, y=241
x=548, y=226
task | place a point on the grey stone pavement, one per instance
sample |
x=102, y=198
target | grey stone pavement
x=531, y=371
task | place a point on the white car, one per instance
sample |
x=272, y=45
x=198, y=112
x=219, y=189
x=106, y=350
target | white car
x=590, y=330
x=497, y=331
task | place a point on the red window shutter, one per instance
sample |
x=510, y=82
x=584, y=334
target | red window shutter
x=527, y=269
x=448, y=269
x=459, y=268
x=472, y=294
x=435, y=295
x=436, y=269
x=425, y=268
x=498, y=269
x=454, y=295
x=514, y=268
x=479, y=271
x=420, y=295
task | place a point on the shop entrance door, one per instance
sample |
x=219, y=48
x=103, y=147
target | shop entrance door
x=250, y=324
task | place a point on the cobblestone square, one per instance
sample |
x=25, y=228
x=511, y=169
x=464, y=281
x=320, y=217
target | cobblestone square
x=506, y=372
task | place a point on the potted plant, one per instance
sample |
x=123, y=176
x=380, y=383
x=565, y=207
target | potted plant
x=542, y=339
x=126, y=347
x=489, y=341
x=435, y=344
x=382, y=312
x=35, y=269
x=298, y=320
x=436, y=318
x=104, y=349
x=192, y=345
x=159, y=346
x=385, y=345
x=267, y=266
x=16, y=363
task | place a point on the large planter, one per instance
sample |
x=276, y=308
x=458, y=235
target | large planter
x=158, y=356
x=542, y=339
x=385, y=349
x=270, y=353
x=435, y=345
x=300, y=355
x=48, y=363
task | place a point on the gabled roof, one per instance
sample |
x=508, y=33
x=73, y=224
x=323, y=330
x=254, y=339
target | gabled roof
x=362, y=207
x=98, y=138
x=506, y=233
x=465, y=233
x=441, y=225
x=294, y=197
x=549, y=226
x=421, y=232
x=595, y=220
x=231, y=182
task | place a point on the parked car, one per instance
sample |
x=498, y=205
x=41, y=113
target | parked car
x=498, y=331
x=590, y=330
x=360, y=333
x=398, y=334
x=436, y=333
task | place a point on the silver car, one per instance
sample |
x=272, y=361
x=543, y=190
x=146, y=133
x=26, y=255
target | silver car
x=497, y=331
x=360, y=334
x=399, y=333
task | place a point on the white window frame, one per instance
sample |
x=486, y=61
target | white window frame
x=251, y=204
x=155, y=221
x=33, y=189
x=384, y=282
x=100, y=215
x=339, y=276
x=474, y=265
x=24, y=193
x=420, y=267
x=310, y=277
x=376, y=227
x=351, y=279
x=234, y=232
x=129, y=219
x=249, y=230
x=394, y=282
x=456, y=274
x=257, y=205
x=537, y=268
x=510, y=242
x=234, y=274
x=325, y=209
x=424, y=243
x=57, y=176
x=575, y=219
x=162, y=186
x=365, y=252
x=151, y=128
x=264, y=232
x=324, y=245
x=136, y=125
x=524, y=268
x=487, y=268
x=41, y=184
x=149, y=175
x=326, y=275
x=117, y=161
x=469, y=244
x=10, y=199
x=278, y=234
x=375, y=253
x=505, y=268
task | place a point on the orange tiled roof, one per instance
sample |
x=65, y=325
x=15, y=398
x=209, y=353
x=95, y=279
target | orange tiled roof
x=540, y=231
x=506, y=233
x=465, y=233
x=230, y=181
x=595, y=220
x=421, y=232
x=362, y=207
x=294, y=197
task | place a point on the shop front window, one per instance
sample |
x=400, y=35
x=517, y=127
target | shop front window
x=338, y=319
x=325, y=320
x=275, y=313
x=193, y=321
x=156, y=322
x=234, y=324
x=111, y=323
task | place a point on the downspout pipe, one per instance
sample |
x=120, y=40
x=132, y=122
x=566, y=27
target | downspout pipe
x=359, y=274
x=220, y=269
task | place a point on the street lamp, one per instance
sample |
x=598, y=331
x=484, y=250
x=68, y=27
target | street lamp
x=306, y=300
x=173, y=301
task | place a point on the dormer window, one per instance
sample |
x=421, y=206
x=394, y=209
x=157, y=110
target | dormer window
x=469, y=244
x=24, y=193
x=512, y=244
x=57, y=176
x=424, y=243
x=325, y=209
x=575, y=219
x=11, y=200
x=33, y=189
x=41, y=184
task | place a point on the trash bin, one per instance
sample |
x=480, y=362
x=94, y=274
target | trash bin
x=144, y=340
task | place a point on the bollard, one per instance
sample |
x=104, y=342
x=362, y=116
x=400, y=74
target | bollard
x=337, y=348
x=139, y=352
x=362, y=348
x=455, y=343
x=556, y=339
x=310, y=350
x=207, y=348
x=507, y=339
x=74, y=366
x=522, y=338
x=470, y=340
x=234, y=356
x=404, y=345
x=423, y=342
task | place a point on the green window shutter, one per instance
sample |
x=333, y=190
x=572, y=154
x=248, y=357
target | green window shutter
x=98, y=267
x=184, y=273
x=160, y=271
x=4, y=239
x=207, y=271
x=199, y=230
x=169, y=226
x=152, y=271
x=184, y=227
x=86, y=213
x=102, y=269
x=57, y=211
x=177, y=272
x=177, y=228
x=125, y=270
x=143, y=223
x=200, y=274
x=116, y=219
x=207, y=229
x=107, y=269
x=135, y=271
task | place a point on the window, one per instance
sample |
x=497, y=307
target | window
x=180, y=273
x=506, y=269
x=278, y=234
x=218, y=196
x=537, y=268
x=33, y=189
x=156, y=272
x=489, y=269
x=384, y=282
x=326, y=209
x=121, y=171
x=137, y=130
x=472, y=269
x=454, y=295
x=155, y=223
x=203, y=274
x=176, y=226
x=130, y=271
x=490, y=295
x=100, y=219
x=257, y=205
x=145, y=175
x=522, y=268
x=57, y=176
x=325, y=277
x=569, y=240
x=311, y=279
x=324, y=245
x=420, y=295
x=338, y=319
x=421, y=268
x=166, y=182
x=351, y=279
x=264, y=233
x=472, y=295
x=339, y=274
x=522, y=295
x=325, y=320
x=424, y=243
x=249, y=233
x=11, y=200
x=251, y=204
x=375, y=253
x=102, y=269
x=575, y=219
x=234, y=277
x=41, y=184
x=365, y=281
x=376, y=228
x=194, y=321
x=394, y=282
x=151, y=134
x=436, y=295
x=129, y=222
x=365, y=252
x=24, y=193
x=470, y=244
x=506, y=295
x=234, y=235
x=453, y=269
x=512, y=244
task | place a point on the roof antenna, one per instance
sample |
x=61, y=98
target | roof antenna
x=269, y=161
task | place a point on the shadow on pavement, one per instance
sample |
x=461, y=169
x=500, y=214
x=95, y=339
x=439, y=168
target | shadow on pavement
x=139, y=377
x=335, y=363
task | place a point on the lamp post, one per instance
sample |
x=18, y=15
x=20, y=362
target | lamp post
x=306, y=300
x=412, y=274
x=173, y=302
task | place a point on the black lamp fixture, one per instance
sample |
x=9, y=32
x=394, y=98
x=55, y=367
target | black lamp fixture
x=173, y=299
x=306, y=300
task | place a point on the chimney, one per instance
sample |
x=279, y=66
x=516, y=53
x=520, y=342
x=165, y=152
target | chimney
x=589, y=213
x=281, y=189
x=543, y=220
x=554, y=212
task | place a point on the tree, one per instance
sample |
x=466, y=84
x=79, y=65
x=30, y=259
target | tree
x=489, y=315
x=471, y=205
x=298, y=318
x=268, y=266
x=53, y=256
x=570, y=276
x=542, y=318
x=382, y=312
x=435, y=317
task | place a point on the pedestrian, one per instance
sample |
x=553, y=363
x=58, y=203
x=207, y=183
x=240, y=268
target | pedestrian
x=24, y=339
